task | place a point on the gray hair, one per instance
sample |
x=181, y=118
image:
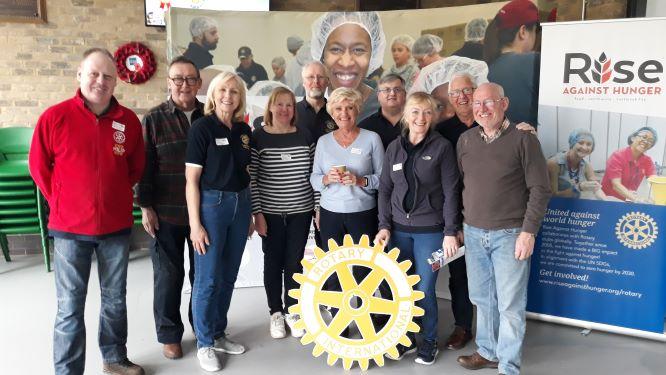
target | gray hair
x=475, y=30
x=390, y=78
x=499, y=88
x=317, y=63
x=455, y=76
x=279, y=61
x=344, y=93
x=199, y=25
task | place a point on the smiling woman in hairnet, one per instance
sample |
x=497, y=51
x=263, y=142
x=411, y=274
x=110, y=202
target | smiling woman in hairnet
x=350, y=45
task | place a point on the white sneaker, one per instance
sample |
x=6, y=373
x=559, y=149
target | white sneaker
x=291, y=320
x=224, y=345
x=277, y=326
x=208, y=360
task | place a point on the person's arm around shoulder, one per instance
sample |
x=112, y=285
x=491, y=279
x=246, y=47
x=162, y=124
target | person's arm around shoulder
x=538, y=185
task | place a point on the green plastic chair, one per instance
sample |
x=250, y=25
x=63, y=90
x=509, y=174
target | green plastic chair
x=22, y=209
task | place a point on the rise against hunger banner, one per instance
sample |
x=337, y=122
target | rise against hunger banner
x=602, y=124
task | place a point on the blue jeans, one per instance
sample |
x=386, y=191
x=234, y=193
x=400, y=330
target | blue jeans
x=417, y=247
x=73, y=259
x=498, y=288
x=226, y=217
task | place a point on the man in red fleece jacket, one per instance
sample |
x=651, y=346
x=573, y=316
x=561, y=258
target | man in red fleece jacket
x=86, y=154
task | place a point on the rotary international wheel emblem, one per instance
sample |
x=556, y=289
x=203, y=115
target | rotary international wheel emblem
x=636, y=230
x=400, y=309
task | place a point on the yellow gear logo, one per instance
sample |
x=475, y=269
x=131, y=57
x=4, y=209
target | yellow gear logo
x=400, y=309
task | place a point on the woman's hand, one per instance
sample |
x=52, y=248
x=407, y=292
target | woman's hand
x=332, y=176
x=526, y=127
x=382, y=237
x=351, y=179
x=589, y=186
x=199, y=239
x=260, y=224
x=450, y=246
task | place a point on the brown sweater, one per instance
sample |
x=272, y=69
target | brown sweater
x=505, y=182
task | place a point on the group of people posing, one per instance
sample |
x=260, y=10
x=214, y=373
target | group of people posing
x=418, y=173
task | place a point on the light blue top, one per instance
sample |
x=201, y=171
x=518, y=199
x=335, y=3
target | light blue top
x=363, y=157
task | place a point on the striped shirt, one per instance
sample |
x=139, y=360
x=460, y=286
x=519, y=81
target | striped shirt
x=280, y=172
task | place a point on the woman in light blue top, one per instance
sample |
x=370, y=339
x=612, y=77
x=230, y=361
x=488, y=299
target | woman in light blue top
x=346, y=170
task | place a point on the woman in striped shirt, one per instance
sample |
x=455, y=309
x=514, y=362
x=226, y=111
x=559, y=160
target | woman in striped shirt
x=282, y=202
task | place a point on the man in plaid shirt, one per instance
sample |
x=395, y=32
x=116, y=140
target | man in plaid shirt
x=161, y=196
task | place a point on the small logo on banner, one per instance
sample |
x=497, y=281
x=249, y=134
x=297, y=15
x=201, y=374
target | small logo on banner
x=119, y=137
x=636, y=230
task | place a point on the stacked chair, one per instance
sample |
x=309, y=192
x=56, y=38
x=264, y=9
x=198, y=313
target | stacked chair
x=22, y=207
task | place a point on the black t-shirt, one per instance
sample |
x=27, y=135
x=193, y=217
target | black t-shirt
x=382, y=126
x=453, y=128
x=199, y=55
x=317, y=124
x=253, y=74
x=223, y=153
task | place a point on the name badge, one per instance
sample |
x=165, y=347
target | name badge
x=221, y=141
x=397, y=167
x=427, y=157
x=356, y=151
x=118, y=126
x=285, y=157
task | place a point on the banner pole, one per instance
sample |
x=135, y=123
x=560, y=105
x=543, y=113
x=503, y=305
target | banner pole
x=598, y=326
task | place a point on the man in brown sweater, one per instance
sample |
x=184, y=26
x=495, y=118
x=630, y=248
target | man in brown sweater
x=506, y=191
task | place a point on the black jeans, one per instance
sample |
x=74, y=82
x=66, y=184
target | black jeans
x=460, y=304
x=283, y=248
x=168, y=255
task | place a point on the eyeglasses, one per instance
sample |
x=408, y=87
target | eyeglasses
x=178, y=81
x=466, y=91
x=391, y=90
x=315, y=78
x=489, y=103
x=646, y=138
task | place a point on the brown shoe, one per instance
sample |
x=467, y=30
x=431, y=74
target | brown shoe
x=172, y=351
x=476, y=362
x=458, y=339
x=124, y=367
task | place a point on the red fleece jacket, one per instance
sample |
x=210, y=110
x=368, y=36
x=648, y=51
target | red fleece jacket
x=86, y=166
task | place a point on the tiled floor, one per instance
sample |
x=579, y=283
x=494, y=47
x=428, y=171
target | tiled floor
x=28, y=308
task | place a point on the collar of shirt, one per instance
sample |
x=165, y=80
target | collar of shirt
x=198, y=106
x=498, y=133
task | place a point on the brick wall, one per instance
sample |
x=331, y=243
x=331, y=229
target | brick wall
x=38, y=61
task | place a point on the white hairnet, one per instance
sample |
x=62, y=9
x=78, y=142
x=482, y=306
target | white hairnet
x=264, y=88
x=475, y=30
x=294, y=42
x=279, y=61
x=200, y=25
x=440, y=72
x=369, y=21
x=427, y=45
x=403, y=39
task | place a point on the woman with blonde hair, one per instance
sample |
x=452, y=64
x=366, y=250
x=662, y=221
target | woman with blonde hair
x=419, y=207
x=282, y=203
x=218, y=203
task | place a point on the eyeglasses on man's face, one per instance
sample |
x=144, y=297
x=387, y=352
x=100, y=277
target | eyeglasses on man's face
x=391, y=90
x=178, y=81
x=488, y=103
x=465, y=91
x=315, y=78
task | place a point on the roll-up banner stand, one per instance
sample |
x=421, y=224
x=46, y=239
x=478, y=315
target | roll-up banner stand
x=600, y=258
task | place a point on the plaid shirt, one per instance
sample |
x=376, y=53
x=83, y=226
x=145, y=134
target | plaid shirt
x=162, y=186
x=498, y=133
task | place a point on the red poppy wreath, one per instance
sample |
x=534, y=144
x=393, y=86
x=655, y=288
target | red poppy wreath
x=135, y=63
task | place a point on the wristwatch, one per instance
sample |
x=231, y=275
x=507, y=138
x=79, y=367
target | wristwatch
x=366, y=182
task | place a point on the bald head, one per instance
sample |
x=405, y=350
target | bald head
x=490, y=105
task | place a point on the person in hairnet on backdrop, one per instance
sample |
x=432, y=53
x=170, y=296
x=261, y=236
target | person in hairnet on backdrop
x=426, y=50
x=401, y=50
x=294, y=68
x=279, y=66
x=475, y=31
x=350, y=45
